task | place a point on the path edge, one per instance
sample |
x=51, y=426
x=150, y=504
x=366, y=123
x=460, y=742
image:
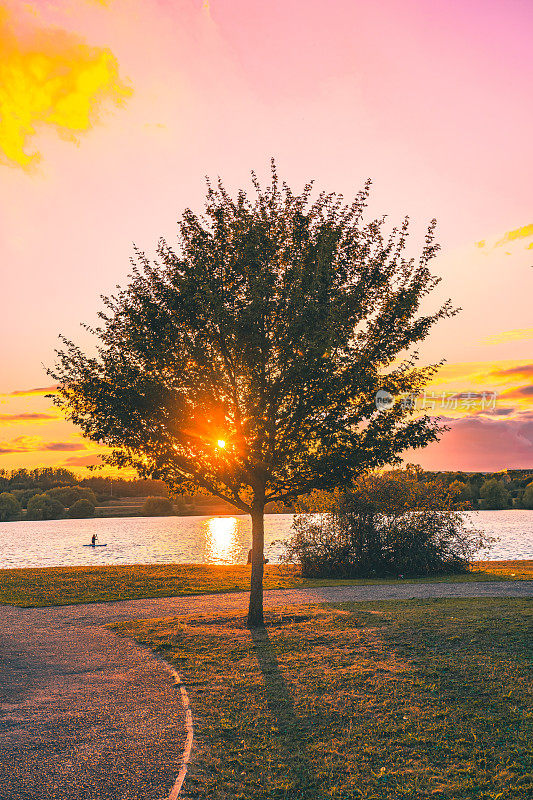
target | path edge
x=186, y=757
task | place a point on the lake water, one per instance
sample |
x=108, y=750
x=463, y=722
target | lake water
x=198, y=540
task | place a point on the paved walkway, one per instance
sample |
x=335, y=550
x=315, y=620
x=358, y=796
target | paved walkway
x=87, y=715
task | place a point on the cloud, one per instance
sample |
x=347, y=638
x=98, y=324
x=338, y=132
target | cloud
x=480, y=443
x=63, y=447
x=32, y=444
x=84, y=461
x=40, y=390
x=517, y=335
x=501, y=380
x=10, y=419
x=519, y=393
x=508, y=239
x=518, y=233
x=50, y=78
x=503, y=412
x=520, y=371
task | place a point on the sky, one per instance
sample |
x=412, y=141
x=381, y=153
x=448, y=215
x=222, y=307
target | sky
x=112, y=112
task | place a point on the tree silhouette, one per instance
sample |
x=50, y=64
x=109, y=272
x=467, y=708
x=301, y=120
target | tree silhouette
x=246, y=362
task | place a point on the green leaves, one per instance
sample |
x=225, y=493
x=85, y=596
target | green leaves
x=271, y=326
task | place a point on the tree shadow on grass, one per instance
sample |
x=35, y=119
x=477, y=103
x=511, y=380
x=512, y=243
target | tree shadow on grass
x=290, y=730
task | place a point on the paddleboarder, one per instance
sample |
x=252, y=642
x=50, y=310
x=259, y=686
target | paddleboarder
x=94, y=537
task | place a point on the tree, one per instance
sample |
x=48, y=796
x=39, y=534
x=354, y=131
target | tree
x=43, y=478
x=81, y=509
x=247, y=363
x=157, y=507
x=40, y=507
x=461, y=491
x=527, y=497
x=67, y=495
x=9, y=507
x=24, y=495
x=494, y=495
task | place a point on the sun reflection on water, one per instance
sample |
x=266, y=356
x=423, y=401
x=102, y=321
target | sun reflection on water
x=221, y=540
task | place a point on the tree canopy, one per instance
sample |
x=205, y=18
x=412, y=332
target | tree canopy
x=10, y=508
x=247, y=361
x=494, y=495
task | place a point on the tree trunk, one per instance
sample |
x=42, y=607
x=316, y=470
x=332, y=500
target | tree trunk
x=255, y=608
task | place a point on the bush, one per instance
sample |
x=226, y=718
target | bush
x=157, y=507
x=9, y=507
x=68, y=495
x=384, y=526
x=41, y=506
x=81, y=509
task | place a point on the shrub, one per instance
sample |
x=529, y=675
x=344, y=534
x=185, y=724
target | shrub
x=9, y=507
x=81, y=508
x=384, y=526
x=67, y=495
x=41, y=506
x=157, y=507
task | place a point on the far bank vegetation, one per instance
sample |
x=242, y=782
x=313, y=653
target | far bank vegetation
x=110, y=497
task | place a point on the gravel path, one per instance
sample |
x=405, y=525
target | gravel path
x=87, y=715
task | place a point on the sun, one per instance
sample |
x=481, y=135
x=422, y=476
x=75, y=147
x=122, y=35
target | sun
x=221, y=443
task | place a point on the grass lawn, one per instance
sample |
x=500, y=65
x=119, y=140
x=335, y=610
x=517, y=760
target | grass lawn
x=50, y=586
x=381, y=701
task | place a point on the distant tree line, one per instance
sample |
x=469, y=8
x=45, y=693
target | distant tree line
x=35, y=504
x=51, y=493
x=24, y=484
x=46, y=478
x=488, y=491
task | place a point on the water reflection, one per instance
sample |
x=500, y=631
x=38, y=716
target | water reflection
x=221, y=543
x=196, y=540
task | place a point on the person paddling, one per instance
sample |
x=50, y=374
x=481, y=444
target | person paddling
x=94, y=537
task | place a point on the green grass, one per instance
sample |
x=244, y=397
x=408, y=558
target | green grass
x=50, y=586
x=382, y=701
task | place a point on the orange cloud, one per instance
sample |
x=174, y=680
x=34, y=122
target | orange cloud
x=40, y=390
x=29, y=444
x=84, y=461
x=516, y=335
x=50, y=78
x=519, y=393
x=9, y=419
x=479, y=387
x=520, y=371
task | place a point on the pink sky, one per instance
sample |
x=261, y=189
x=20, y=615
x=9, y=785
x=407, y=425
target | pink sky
x=430, y=100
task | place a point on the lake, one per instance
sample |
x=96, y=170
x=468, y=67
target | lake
x=197, y=540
